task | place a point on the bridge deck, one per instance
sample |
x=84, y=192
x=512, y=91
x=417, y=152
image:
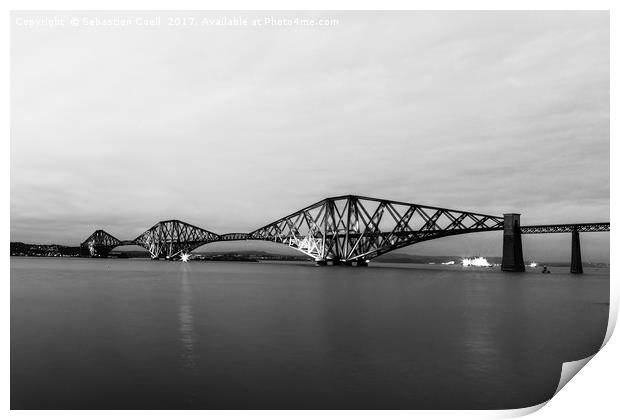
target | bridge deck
x=566, y=228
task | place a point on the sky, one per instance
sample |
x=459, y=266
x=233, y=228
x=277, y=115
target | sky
x=232, y=127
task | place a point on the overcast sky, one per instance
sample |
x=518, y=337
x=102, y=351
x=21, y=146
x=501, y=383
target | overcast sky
x=230, y=128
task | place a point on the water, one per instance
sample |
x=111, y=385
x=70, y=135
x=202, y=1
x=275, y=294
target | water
x=123, y=334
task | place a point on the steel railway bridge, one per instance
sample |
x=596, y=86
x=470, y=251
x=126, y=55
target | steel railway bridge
x=350, y=230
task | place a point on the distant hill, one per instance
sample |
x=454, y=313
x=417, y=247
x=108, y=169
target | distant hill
x=22, y=249
x=224, y=255
x=399, y=257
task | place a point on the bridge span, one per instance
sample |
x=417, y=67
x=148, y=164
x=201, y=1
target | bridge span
x=350, y=230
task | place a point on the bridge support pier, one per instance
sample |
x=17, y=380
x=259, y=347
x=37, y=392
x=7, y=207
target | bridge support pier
x=84, y=251
x=575, y=259
x=320, y=263
x=356, y=263
x=512, y=257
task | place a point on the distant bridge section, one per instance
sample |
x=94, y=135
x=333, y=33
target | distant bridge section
x=579, y=227
x=512, y=256
x=576, y=266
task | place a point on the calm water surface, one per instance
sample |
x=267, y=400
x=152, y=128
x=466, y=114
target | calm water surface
x=120, y=334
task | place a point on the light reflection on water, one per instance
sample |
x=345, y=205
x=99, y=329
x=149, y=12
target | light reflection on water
x=186, y=320
x=154, y=335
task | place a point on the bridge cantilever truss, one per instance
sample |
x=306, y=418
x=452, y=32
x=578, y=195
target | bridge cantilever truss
x=354, y=228
x=169, y=238
x=99, y=244
x=345, y=229
x=341, y=229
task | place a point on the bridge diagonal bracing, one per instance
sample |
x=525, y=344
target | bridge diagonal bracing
x=99, y=244
x=354, y=228
x=170, y=238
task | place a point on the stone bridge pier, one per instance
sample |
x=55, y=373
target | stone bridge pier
x=575, y=258
x=512, y=256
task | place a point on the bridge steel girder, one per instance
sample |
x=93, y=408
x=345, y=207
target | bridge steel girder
x=566, y=228
x=234, y=236
x=99, y=244
x=351, y=228
x=169, y=238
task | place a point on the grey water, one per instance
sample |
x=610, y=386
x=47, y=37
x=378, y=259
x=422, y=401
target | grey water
x=136, y=334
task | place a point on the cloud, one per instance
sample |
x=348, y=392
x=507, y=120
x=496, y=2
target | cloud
x=231, y=128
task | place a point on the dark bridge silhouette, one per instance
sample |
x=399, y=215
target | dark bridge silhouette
x=349, y=230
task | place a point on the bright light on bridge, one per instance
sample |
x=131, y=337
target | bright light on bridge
x=185, y=257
